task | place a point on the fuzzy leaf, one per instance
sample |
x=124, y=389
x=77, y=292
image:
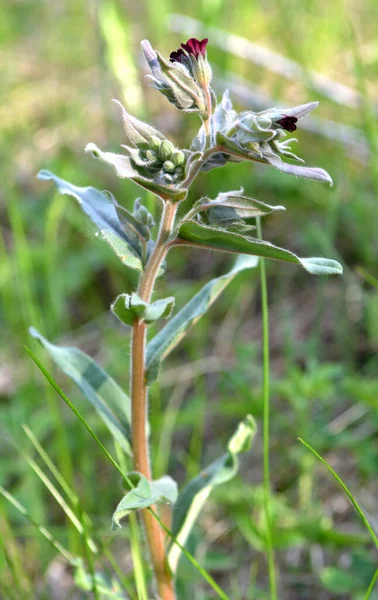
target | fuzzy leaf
x=230, y=206
x=129, y=308
x=314, y=173
x=143, y=495
x=124, y=169
x=106, y=588
x=119, y=162
x=105, y=395
x=138, y=132
x=197, y=234
x=192, y=498
x=164, y=341
x=99, y=208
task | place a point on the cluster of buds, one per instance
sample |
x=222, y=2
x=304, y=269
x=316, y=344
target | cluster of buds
x=161, y=160
x=184, y=79
x=151, y=155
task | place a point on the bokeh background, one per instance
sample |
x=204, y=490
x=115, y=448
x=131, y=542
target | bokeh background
x=61, y=64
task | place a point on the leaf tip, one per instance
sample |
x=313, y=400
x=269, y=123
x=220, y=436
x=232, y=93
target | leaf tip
x=45, y=175
x=93, y=149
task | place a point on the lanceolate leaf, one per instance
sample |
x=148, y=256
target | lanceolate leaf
x=144, y=494
x=111, y=403
x=193, y=233
x=176, y=328
x=100, y=209
x=193, y=496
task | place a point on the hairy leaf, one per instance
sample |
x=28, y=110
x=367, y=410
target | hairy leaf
x=124, y=169
x=193, y=496
x=100, y=209
x=128, y=308
x=176, y=328
x=144, y=494
x=110, y=401
x=234, y=204
x=193, y=233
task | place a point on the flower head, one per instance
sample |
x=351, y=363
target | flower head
x=150, y=159
x=185, y=78
x=192, y=47
x=259, y=137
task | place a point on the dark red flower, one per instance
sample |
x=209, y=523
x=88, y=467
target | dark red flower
x=177, y=56
x=193, y=46
x=288, y=123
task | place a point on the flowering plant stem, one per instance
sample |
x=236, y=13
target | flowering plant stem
x=139, y=403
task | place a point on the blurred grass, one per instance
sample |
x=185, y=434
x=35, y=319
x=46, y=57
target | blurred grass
x=61, y=64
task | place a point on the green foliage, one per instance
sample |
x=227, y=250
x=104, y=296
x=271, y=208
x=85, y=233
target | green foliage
x=197, y=234
x=54, y=276
x=99, y=208
x=192, y=498
x=129, y=308
x=164, y=341
x=144, y=494
x=105, y=395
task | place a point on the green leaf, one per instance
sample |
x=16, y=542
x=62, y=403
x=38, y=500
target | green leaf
x=164, y=341
x=108, y=588
x=124, y=169
x=192, y=233
x=111, y=403
x=99, y=208
x=138, y=132
x=129, y=308
x=230, y=206
x=144, y=494
x=339, y=581
x=193, y=496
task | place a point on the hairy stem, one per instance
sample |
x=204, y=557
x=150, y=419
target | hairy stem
x=266, y=411
x=139, y=402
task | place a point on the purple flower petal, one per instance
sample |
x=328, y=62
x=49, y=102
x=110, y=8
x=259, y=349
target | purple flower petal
x=288, y=123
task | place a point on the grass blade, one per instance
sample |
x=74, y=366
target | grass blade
x=266, y=425
x=8, y=496
x=189, y=556
x=371, y=586
x=346, y=490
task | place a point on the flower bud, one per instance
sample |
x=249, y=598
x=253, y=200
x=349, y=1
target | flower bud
x=178, y=158
x=169, y=166
x=165, y=150
x=179, y=172
x=152, y=156
x=185, y=79
x=155, y=143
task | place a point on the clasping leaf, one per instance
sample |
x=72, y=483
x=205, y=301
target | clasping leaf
x=128, y=308
x=143, y=495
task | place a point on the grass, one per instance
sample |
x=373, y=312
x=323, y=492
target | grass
x=323, y=339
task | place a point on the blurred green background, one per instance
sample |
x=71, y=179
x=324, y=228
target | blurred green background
x=61, y=64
